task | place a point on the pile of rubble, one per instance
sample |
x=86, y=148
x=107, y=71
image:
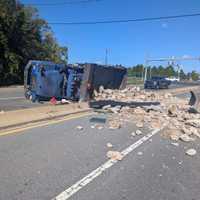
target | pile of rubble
x=153, y=110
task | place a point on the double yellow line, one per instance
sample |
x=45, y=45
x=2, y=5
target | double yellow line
x=41, y=124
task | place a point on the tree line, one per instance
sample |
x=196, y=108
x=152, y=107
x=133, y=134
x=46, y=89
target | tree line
x=169, y=71
x=24, y=36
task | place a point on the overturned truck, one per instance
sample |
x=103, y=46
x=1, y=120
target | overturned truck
x=44, y=80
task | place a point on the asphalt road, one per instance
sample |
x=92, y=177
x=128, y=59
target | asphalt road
x=40, y=163
x=12, y=98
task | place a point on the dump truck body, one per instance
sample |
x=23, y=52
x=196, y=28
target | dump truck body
x=44, y=80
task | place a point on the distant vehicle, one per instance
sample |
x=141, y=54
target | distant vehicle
x=173, y=79
x=157, y=82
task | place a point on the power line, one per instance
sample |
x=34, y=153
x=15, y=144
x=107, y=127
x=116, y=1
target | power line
x=62, y=3
x=127, y=20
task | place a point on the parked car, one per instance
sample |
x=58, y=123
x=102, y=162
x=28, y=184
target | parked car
x=157, y=82
x=173, y=79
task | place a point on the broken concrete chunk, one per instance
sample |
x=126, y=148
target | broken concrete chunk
x=172, y=110
x=139, y=153
x=138, y=132
x=109, y=145
x=114, y=155
x=106, y=107
x=133, y=134
x=186, y=138
x=193, y=122
x=99, y=127
x=65, y=101
x=2, y=112
x=115, y=109
x=140, y=125
x=95, y=93
x=92, y=126
x=173, y=134
x=114, y=124
x=79, y=128
x=175, y=144
x=191, y=152
x=101, y=89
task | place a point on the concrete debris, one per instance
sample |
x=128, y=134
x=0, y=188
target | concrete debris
x=172, y=111
x=139, y=153
x=186, y=138
x=92, y=126
x=152, y=110
x=106, y=107
x=140, y=125
x=64, y=101
x=79, y=128
x=99, y=127
x=133, y=134
x=115, y=109
x=114, y=155
x=109, y=145
x=138, y=132
x=175, y=144
x=191, y=152
x=114, y=124
x=2, y=112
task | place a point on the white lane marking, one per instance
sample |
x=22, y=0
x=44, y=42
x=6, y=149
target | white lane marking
x=97, y=172
x=11, y=98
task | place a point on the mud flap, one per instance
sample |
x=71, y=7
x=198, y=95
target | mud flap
x=195, y=102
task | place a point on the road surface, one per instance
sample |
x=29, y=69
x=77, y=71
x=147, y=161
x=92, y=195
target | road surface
x=12, y=98
x=41, y=163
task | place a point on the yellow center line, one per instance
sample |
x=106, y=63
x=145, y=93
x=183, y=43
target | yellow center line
x=41, y=124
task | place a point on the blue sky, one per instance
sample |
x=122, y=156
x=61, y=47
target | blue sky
x=128, y=43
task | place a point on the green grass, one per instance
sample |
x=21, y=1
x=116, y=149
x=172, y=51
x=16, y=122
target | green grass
x=134, y=81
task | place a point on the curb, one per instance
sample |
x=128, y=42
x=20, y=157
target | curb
x=45, y=119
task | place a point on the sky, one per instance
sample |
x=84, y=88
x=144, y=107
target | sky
x=127, y=43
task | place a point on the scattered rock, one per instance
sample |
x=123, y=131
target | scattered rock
x=172, y=110
x=106, y=107
x=138, y=132
x=99, y=127
x=114, y=155
x=109, y=145
x=101, y=89
x=79, y=127
x=191, y=152
x=133, y=134
x=175, y=144
x=173, y=134
x=140, y=125
x=114, y=124
x=64, y=101
x=186, y=138
x=115, y=109
x=2, y=112
x=139, y=153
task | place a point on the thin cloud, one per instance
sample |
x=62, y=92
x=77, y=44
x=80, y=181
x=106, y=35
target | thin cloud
x=164, y=25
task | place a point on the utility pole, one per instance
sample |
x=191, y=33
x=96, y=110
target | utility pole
x=146, y=70
x=106, y=57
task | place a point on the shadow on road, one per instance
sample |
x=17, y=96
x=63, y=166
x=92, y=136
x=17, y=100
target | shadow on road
x=133, y=104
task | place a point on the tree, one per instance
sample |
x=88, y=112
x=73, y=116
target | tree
x=195, y=76
x=24, y=36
